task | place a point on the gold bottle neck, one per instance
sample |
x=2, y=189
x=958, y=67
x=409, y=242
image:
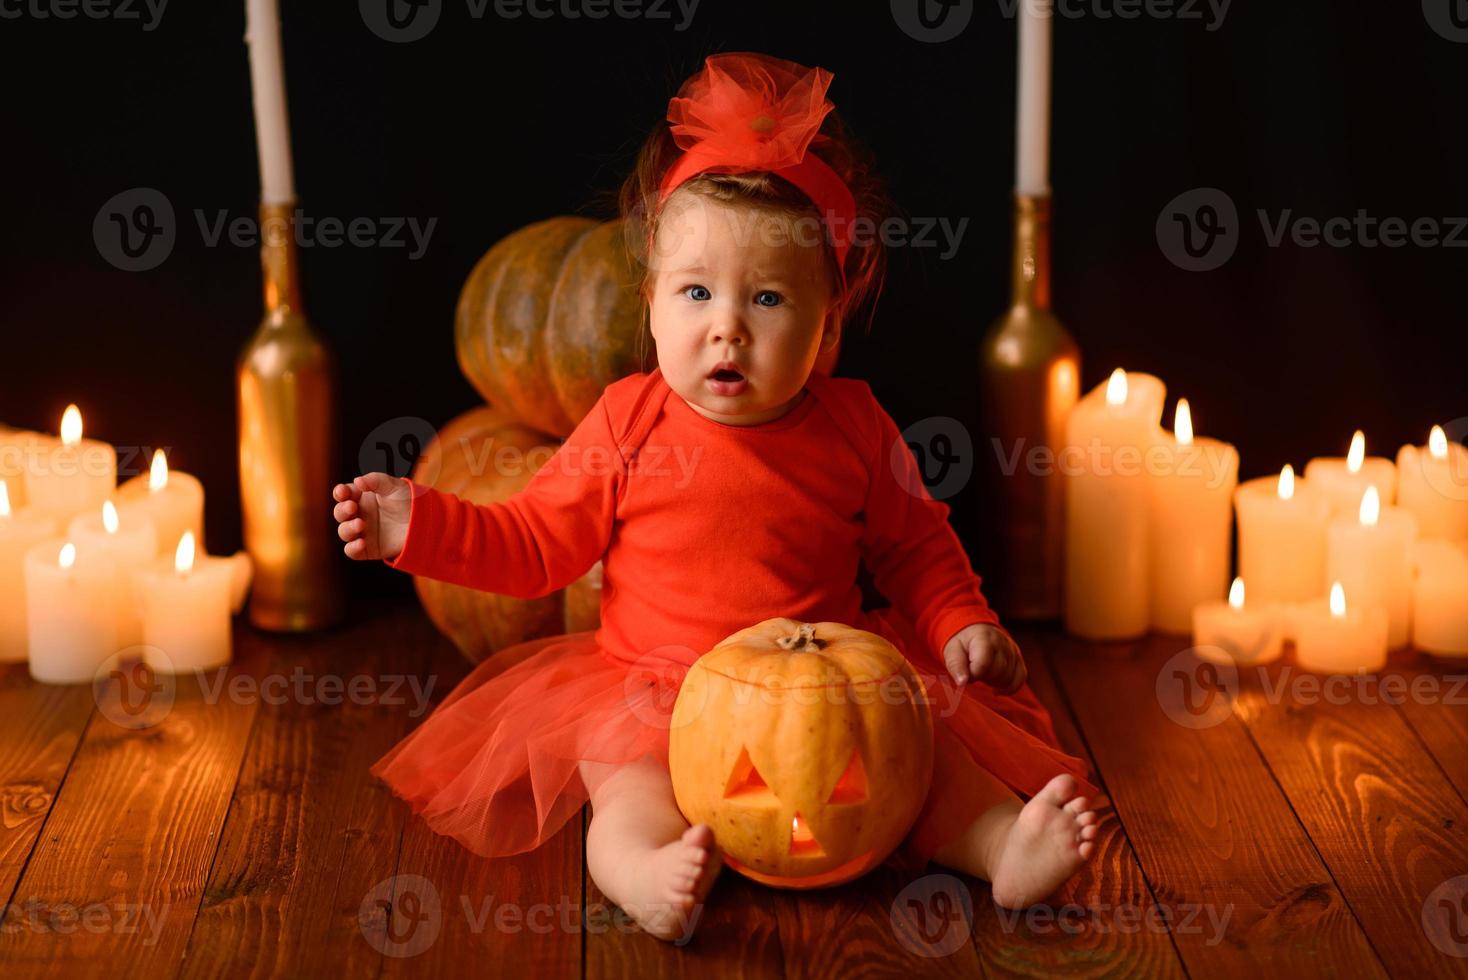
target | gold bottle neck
x=1030, y=282
x=279, y=259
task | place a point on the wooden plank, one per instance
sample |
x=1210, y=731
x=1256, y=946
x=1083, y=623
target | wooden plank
x=449, y=912
x=884, y=924
x=735, y=936
x=41, y=726
x=1245, y=888
x=1437, y=710
x=310, y=831
x=116, y=876
x=1103, y=922
x=1384, y=817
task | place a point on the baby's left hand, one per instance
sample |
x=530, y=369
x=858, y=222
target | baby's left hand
x=985, y=653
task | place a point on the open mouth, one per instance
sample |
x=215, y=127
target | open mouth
x=726, y=379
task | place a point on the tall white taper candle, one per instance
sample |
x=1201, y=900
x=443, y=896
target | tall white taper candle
x=267, y=78
x=1032, y=104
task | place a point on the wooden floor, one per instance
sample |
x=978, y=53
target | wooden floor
x=1253, y=828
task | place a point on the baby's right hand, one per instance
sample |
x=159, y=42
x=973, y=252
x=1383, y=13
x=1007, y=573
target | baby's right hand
x=372, y=512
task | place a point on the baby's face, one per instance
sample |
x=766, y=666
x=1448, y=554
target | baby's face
x=740, y=287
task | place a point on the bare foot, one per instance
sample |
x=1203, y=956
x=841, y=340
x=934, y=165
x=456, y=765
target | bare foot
x=668, y=889
x=1048, y=842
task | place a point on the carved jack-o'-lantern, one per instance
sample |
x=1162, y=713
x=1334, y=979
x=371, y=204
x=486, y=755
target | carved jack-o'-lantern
x=808, y=747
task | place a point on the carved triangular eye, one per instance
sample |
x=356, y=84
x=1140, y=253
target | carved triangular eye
x=746, y=784
x=852, y=786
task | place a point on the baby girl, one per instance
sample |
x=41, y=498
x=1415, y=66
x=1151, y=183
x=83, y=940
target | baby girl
x=748, y=209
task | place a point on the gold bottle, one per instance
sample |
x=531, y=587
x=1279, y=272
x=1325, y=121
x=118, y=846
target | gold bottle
x=286, y=401
x=1030, y=369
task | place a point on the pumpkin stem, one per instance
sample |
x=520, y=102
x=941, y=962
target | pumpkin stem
x=804, y=638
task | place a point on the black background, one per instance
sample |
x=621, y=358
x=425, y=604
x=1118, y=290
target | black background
x=488, y=124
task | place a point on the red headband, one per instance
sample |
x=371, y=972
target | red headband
x=751, y=112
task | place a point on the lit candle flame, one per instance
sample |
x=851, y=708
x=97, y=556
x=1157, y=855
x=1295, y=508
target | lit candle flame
x=71, y=426
x=109, y=517
x=1357, y=454
x=1236, y=594
x=67, y=558
x=158, y=472
x=1337, y=601
x=1116, y=388
x=1437, y=443
x=794, y=826
x=4, y=499
x=183, y=558
x=1182, y=426
x=1370, y=507
x=1287, y=482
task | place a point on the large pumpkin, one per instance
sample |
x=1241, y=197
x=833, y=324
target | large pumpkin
x=550, y=316
x=462, y=460
x=808, y=747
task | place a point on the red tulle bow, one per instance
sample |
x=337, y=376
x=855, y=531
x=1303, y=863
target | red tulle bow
x=750, y=111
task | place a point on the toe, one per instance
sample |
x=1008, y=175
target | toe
x=1089, y=833
x=1088, y=818
x=1078, y=805
x=1058, y=790
x=1087, y=846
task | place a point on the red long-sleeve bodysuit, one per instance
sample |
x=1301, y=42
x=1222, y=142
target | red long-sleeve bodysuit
x=703, y=529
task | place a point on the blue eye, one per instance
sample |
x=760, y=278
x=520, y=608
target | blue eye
x=768, y=298
x=696, y=292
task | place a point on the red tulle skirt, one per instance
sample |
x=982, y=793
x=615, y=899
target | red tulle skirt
x=496, y=764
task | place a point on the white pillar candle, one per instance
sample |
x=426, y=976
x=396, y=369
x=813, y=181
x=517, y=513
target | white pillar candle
x=186, y=604
x=71, y=476
x=172, y=499
x=1440, y=598
x=1109, y=435
x=1433, y=484
x=21, y=529
x=17, y=448
x=1032, y=100
x=1371, y=556
x=71, y=613
x=129, y=544
x=1345, y=480
x=1333, y=638
x=267, y=82
x=1191, y=522
x=1247, y=634
x=1282, y=525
